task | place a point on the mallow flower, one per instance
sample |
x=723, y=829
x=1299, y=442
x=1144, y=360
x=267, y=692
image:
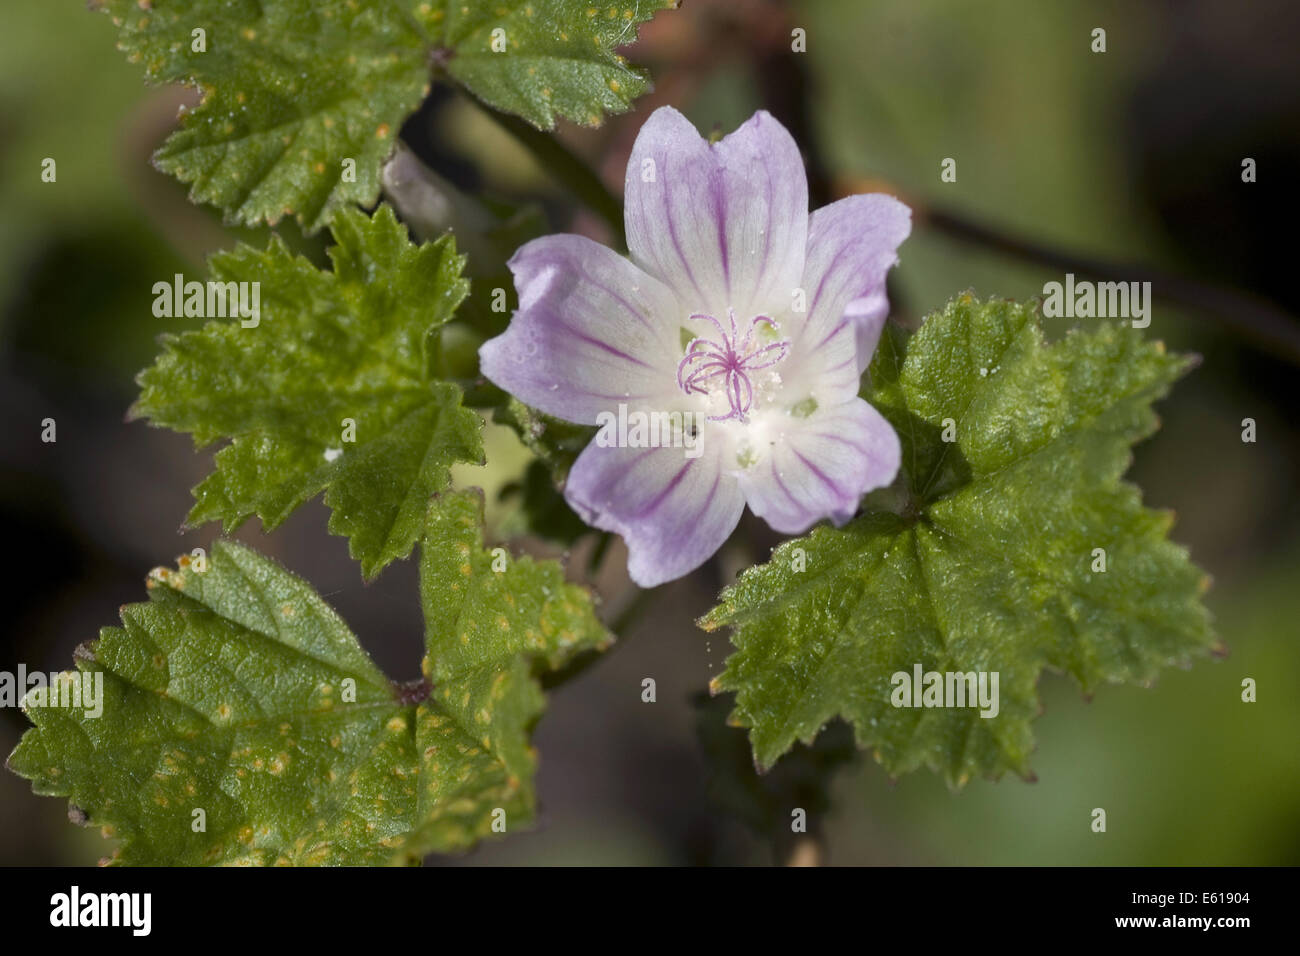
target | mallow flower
x=738, y=317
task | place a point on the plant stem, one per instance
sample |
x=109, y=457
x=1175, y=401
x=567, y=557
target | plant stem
x=1255, y=319
x=788, y=90
x=574, y=174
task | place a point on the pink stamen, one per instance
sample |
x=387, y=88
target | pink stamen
x=729, y=360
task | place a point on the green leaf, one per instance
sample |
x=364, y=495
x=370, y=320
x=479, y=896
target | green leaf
x=330, y=348
x=493, y=623
x=987, y=563
x=303, y=99
x=239, y=692
x=558, y=57
x=291, y=90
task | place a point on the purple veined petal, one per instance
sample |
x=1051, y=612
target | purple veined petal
x=829, y=375
x=672, y=511
x=592, y=331
x=723, y=225
x=821, y=466
x=852, y=243
x=867, y=316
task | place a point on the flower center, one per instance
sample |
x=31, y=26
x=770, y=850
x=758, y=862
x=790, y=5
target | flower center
x=728, y=362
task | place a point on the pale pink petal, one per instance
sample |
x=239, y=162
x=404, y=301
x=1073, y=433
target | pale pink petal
x=672, y=511
x=821, y=466
x=852, y=243
x=724, y=225
x=592, y=331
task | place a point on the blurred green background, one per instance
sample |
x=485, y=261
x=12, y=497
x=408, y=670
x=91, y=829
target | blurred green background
x=1132, y=155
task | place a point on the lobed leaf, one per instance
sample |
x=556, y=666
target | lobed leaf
x=331, y=389
x=302, y=100
x=237, y=691
x=987, y=563
x=558, y=58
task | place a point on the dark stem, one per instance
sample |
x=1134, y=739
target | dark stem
x=1254, y=319
x=788, y=93
x=571, y=171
